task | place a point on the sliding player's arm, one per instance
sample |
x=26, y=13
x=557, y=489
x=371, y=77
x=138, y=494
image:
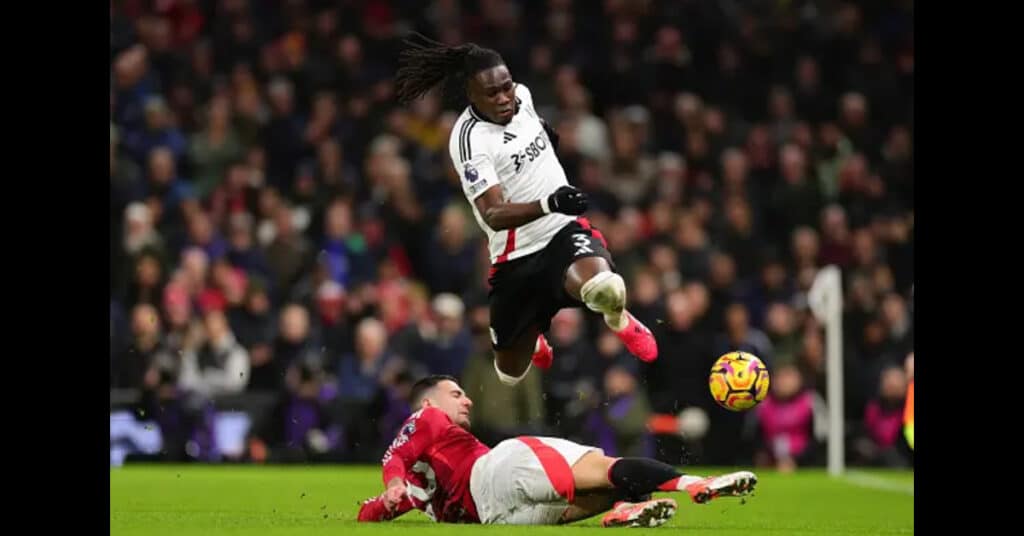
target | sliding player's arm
x=416, y=436
x=374, y=509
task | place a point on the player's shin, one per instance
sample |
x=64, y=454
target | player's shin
x=639, y=476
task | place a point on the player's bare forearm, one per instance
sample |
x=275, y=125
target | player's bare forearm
x=509, y=215
x=499, y=215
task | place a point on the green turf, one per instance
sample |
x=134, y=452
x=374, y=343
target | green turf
x=243, y=500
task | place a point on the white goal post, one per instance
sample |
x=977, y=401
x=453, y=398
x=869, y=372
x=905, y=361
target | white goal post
x=826, y=301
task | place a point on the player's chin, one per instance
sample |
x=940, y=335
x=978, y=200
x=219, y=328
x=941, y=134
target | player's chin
x=464, y=422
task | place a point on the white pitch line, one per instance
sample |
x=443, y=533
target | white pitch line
x=866, y=480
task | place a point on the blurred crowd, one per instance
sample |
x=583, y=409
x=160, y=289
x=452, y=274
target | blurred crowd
x=280, y=225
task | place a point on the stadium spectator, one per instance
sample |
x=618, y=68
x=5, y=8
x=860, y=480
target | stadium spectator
x=344, y=250
x=739, y=238
x=790, y=425
x=361, y=374
x=804, y=248
x=293, y=340
x=618, y=425
x=301, y=427
x=203, y=235
x=647, y=300
x=148, y=280
x=795, y=200
x=835, y=246
x=575, y=375
x=780, y=326
x=214, y=149
x=447, y=351
x=332, y=324
x=772, y=285
x=722, y=285
x=133, y=362
x=740, y=336
x=158, y=131
x=882, y=443
x=220, y=365
x=237, y=194
x=681, y=378
x=283, y=135
x=693, y=246
x=167, y=195
x=242, y=252
x=184, y=331
x=450, y=265
x=289, y=253
x=253, y=324
x=126, y=179
x=500, y=411
x=139, y=230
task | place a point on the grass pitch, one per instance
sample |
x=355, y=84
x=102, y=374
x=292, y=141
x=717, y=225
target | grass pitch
x=244, y=500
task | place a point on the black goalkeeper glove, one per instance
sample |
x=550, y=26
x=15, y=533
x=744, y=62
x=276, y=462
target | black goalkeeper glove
x=567, y=200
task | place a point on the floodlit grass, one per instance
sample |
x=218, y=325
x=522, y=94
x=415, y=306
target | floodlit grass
x=241, y=500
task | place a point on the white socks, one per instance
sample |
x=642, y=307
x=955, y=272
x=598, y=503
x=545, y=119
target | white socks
x=510, y=380
x=686, y=480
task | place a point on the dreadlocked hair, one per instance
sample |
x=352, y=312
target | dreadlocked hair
x=427, y=63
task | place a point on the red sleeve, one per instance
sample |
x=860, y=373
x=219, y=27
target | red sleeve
x=415, y=437
x=373, y=510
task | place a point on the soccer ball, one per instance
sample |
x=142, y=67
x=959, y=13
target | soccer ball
x=739, y=381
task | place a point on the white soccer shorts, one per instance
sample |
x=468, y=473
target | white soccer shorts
x=526, y=480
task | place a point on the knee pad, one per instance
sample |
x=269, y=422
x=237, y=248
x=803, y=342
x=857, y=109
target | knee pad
x=507, y=379
x=604, y=293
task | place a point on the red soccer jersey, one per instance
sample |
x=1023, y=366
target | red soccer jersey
x=429, y=437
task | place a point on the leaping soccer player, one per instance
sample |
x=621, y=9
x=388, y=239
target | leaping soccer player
x=544, y=257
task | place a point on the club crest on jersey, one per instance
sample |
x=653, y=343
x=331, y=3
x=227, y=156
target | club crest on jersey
x=471, y=173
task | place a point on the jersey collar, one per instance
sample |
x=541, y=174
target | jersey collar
x=480, y=117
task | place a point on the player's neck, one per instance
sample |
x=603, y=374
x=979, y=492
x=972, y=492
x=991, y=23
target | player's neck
x=477, y=114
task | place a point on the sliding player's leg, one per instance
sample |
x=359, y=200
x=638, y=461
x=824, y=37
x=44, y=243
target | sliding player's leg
x=639, y=476
x=590, y=504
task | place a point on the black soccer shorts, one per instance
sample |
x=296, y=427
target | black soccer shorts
x=530, y=290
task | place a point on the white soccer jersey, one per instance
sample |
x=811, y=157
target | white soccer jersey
x=520, y=158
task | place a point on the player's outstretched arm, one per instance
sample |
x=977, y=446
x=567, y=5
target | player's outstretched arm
x=500, y=215
x=416, y=435
x=374, y=510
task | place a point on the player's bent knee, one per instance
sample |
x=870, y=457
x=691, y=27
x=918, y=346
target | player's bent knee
x=604, y=293
x=591, y=472
x=508, y=379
